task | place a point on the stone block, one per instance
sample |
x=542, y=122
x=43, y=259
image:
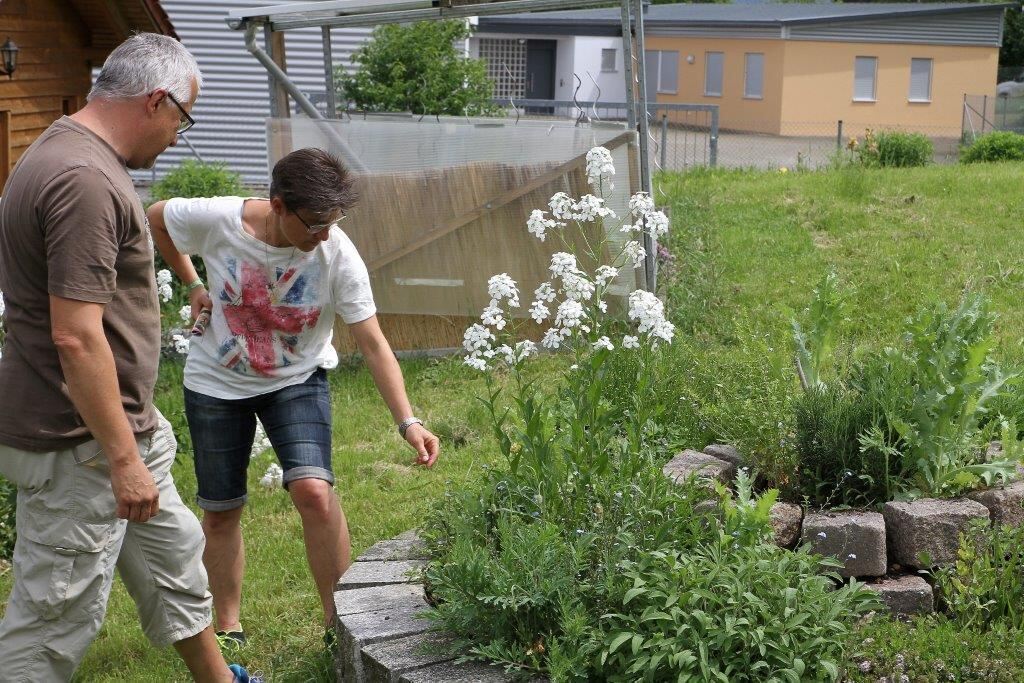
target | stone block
x=929, y=526
x=356, y=631
x=857, y=539
x=1005, y=505
x=376, y=573
x=905, y=595
x=449, y=672
x=395, y=549
x=704, y=466
x=786, y=520
x=387, y=661
x=725, y=452
x=376, y=598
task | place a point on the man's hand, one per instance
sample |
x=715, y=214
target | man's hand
x=138, y=498
x=426, y=444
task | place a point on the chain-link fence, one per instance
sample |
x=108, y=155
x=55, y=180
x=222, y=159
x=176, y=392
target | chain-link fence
x=684, y=136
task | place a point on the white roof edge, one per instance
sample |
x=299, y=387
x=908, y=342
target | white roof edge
x=329, y=7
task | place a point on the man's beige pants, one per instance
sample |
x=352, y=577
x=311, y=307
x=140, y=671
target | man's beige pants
x=69, y=541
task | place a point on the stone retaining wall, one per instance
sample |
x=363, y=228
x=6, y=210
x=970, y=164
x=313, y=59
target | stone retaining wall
x=885, y=549
x=382, y=637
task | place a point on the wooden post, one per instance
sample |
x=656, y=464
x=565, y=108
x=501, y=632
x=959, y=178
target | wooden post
x=278, y=95
x=5, y=146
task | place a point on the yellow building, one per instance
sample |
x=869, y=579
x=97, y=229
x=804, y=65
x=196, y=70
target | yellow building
x=798, y=69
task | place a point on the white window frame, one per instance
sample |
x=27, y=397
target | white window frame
x=615, y=60
x=707, y=73
x=746, y=76
x=874, y=79
x=931, y=70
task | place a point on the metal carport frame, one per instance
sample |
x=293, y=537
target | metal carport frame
x=330, y=14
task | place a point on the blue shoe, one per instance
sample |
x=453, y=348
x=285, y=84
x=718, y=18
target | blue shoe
x=242, y=676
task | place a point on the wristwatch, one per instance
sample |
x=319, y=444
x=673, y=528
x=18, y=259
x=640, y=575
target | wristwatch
x=406, y=423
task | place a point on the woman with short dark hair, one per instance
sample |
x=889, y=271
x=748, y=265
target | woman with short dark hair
x=279, y=272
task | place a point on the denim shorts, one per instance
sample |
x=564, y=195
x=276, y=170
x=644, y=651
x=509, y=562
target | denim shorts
x=297, y=420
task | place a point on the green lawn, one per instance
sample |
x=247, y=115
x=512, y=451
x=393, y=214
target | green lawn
x=747, y=243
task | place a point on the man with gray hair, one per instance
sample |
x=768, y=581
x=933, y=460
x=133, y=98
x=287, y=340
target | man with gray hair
x=79, y=434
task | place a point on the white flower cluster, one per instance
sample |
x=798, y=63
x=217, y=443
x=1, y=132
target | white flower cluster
x=589, y=207
x=641, y=206
x=477, y=342
x=649, y=312
x=260, y=442
x=181, y=344
x=538, y=224
x=635, y=252
x=3, y=307
x=600, y=168
x=273, y=478
x=163, y=284
x=185, y=313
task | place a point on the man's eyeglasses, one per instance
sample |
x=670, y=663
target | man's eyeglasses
x=186, y=121
x=314, y=228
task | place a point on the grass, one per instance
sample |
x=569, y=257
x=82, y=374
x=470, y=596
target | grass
x=898, y=238
x=749, y=245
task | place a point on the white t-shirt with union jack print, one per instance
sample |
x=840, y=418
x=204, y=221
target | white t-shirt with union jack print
x=273, y=307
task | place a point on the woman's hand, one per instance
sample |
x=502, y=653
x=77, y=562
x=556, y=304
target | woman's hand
x=426, y=444
x=199, y=298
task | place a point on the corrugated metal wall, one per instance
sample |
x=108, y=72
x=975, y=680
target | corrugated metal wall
x=232, y=109
x=970, y=28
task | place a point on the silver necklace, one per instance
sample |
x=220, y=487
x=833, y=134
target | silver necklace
x=273, y=280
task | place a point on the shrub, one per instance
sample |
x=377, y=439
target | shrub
x=417, y=68
x=755, y=613
x=890, y=148
x=1000, y=145
x=197, y=179
x=984, y=587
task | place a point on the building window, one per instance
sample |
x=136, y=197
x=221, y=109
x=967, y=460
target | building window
x=499, y=53
x=663, y=70
x=865, y=70
x=753, y=75
x=713, y=66
x=920, y=80
x=608, y=59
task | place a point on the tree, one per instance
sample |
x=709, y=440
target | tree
x=417, y=68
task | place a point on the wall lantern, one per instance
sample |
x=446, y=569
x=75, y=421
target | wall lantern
x=689, y=59
x=9, y=52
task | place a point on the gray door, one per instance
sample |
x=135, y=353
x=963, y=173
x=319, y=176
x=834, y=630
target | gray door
x=540, y=73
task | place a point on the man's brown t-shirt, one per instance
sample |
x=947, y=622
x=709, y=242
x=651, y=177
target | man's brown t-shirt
x=72, y=225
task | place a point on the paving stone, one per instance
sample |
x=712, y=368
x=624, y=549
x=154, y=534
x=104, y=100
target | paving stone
x=449, y=672
x=410, y=535
x=387, y=551
x=929, y=526
x=376, y=573
x=1005, y=505
x=905, y=595
x=857, y=539
x=356, y=631
x=376, y=598
x=679, y=468
x=786, y=521
x=724, y=451
x=385, y=662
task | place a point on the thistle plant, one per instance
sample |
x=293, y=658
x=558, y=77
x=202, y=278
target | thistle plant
x=572, y=437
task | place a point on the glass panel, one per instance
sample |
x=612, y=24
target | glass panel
x=754, y=75
x=652, y=59
x=444, y=202
x=713, y=73
x=864, y=78
x=608, y=59
x=920, y=80
x=668, y=82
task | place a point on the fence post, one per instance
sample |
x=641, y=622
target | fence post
x=664, y=140
x=839, y=136
x=713, y=141
x=984, y=112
